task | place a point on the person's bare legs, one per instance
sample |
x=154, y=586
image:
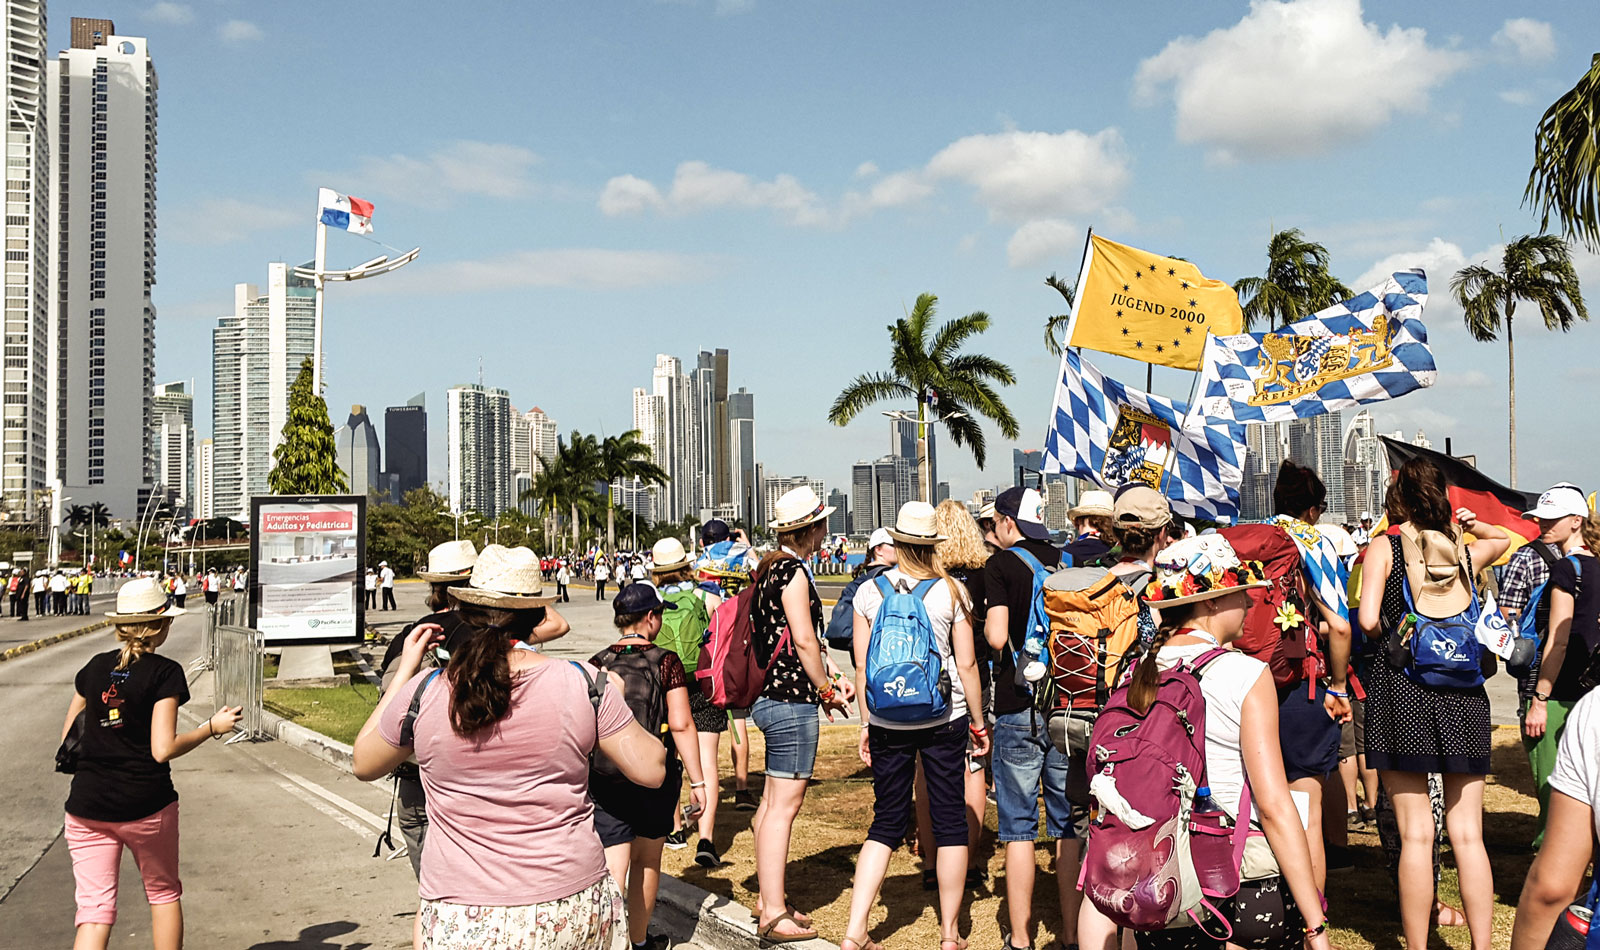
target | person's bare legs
x=1369, y=781
x=951, y=867
x=871, y=867
x=644, y=880
x=740, y=754
x=780, y=803
x=977, y=804
x=1463, y=819
x=1312, y=786
x=92, y=937
x=709, y=741
x=1096, y=931
x=1019, y=890
x=618, y=859
x=166, y=925
x=1348, y=775
x=1068, y=852
x=924, y=816
x=1413, y=813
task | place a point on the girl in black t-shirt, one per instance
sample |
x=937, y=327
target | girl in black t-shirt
x=122, y=792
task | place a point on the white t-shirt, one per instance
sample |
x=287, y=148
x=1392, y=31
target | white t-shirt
x=371, y=581
x=942, y=613
x=601, y=572
x=386, y=577
x=1577, y=771
x=1224, y=683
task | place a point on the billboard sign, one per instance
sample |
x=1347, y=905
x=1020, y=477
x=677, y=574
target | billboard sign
x=307, y=559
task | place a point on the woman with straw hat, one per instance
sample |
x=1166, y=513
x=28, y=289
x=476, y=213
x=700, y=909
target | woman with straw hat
x=786, y=622
x=1201, y=587
x=503, y=738
x=122, y=792
x=894, y=749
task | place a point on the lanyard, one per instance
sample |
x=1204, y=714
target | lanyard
x=1200, y=635
x=804, y=562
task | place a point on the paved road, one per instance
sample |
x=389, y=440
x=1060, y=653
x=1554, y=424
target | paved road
x=14, y=632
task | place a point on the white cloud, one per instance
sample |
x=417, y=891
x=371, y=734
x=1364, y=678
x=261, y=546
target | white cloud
x=226, y=220
x=575, y=268
x=697, y=186
x=866, y=169
x=1039, y=241
x=240, y=31
x=1527, y=40
x=1021, y=176
x=630, y=194
x=1517, y=97
x=1294, y=78
x=479, y=169
x=168, y=12
x=1440, y=259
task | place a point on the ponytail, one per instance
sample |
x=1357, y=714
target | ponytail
x=135, y=639
x=479, y=670
x=1147, y=676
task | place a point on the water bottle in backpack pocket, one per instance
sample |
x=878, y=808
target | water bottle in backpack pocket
x=906, y=680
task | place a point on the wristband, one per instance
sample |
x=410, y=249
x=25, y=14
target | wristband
x=1542, y=697
x=1319, y=929
x=1334, y=692
x=211, y=729
x=697, y=785
x=978, y=730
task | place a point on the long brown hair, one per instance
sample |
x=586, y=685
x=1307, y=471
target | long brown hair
x=1418, y=496
x=1591, y=534
x=479, y=670
x=922, y=560
x=792, y=541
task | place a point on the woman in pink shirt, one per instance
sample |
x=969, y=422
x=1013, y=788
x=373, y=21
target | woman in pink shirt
x=503, y=740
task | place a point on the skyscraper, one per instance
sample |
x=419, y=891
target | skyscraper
x=649, y=417
x=839, y=520
x=522, y=464
x=172, y=412
x=543, y=437
x=1264, y=453
x=535, y=438
x=1366, y=467
x=405, y=444
x=742, y=455
x=356, y=444
x=204, y=458
x=478, y=443
x=1318, y=442
x=877, y=490
x=774, y=487
x=102, y=102
x=1025, y=467
x=722, y=462
x=255, y=355
x=24, y=465
x=710, y=418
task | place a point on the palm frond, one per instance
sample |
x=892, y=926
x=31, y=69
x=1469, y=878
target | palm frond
x=1565, y=179
x=863, y=392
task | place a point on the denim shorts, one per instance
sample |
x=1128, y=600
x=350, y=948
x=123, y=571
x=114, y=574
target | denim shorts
x=790, y=731
x=1026, y=765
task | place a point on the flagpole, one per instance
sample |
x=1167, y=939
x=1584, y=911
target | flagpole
x=319, y=266
x=1077, y=288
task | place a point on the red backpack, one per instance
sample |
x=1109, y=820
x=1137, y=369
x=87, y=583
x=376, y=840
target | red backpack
x=728, y=671
x=1291, y=650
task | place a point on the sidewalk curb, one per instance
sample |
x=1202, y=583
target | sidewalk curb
x=43, y=642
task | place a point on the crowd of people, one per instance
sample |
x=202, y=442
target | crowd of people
x=1200, y=714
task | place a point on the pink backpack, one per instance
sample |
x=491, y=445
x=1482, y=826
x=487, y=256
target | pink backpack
x=729, y=673
x=1149, y=858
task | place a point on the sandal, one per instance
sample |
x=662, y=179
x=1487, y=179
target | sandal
x=956, y=942
x=865, y=943
x=768, y=932
x=977, y=876
x=799, y=917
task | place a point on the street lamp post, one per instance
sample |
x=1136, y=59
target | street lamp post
x=319, y=275
x=924, y=433
x=633, y=506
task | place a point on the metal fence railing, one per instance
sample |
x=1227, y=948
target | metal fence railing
x=226, y=612
x=237, y=676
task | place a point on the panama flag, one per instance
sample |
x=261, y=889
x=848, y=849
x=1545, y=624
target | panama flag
x=344, y=212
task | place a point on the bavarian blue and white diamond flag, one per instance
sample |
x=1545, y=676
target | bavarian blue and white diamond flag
x=1105, y=432
x=1363, y=350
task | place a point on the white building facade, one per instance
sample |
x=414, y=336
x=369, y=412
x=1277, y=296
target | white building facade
x=173, y=436
x=478, y=446
x=24, y=450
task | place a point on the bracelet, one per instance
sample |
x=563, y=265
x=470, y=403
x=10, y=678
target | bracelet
x=211, y=729
x=978, y=730
x=826, y=693
x=1333, y=692
x=1319, y=929
x=697, y=785
x=1542, y=697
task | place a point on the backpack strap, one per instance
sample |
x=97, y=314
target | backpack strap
x=408, y=725
x=595, y=690
x=922, y=588
x=1543, y=550
x=1026, y=557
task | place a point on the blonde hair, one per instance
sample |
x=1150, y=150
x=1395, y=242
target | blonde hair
x=963, y=545
x=1591, y=534
x=922, y=561
x=135, y=639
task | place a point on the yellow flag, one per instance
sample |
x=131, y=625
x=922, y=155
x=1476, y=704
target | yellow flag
x=1150, y=308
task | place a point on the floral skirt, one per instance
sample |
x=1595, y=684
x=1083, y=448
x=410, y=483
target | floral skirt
x=592, y=919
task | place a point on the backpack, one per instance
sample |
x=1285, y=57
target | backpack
x=1038, y=620
x=1149, y=860
x=683, y=630
x=1444, y=652
x=1292, y=651
x=730, y=673
x=640, y=670
x=906, y=681
x=841, y=625
x=1095, y=622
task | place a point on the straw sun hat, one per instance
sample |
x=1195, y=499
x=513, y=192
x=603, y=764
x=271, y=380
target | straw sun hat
x=668, y=555
x=142, y=600
x=450, y=561
x=1093, y=502
x=797, y=508
x=1200, y=568
x=1436, y=572
x=916, y=524
x=507, y=578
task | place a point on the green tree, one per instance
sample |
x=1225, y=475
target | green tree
x=1297, y=283
x=305, y=463
x=403, y=534
x=1055, y=327
x=622, y=459
x=567, y=485
x=932, y=371
x=1536, y=268
x=1565, y=180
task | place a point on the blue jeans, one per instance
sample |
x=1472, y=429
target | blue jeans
x=790, y=731
x=1026, y=764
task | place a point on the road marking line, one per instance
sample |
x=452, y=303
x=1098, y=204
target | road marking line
x=350, y=807
x=325, y=808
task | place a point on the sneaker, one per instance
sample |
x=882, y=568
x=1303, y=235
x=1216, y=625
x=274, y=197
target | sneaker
x=1367, y=815
x=705, y=855
x=745, y=800
x=1354, y=821
x=654, y=942
x=679, y=839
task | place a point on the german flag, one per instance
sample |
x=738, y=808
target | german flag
x=1467, y=487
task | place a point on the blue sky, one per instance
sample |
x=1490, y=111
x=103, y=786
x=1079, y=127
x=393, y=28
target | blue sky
x=594, y=183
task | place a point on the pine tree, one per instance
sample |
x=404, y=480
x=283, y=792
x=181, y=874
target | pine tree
x=305, y=462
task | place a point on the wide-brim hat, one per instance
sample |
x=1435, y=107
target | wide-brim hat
x=797, y=508
x=142, y=600
x=1092, y=503
x=668, y=555
x=507, y=578
x=450, y=561
x=1201, y=568
x=916, y=524
x=1435, y=571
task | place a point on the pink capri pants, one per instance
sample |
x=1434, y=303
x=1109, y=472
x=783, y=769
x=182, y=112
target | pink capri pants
x=96, y=848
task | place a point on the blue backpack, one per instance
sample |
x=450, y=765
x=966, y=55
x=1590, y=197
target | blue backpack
x=905, y=674
x=1444, y=653
x=1038, y=621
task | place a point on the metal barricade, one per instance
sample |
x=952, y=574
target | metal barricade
x=237, y=676
x=226, y=612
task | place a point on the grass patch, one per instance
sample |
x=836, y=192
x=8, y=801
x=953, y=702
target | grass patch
x=337, y=713
x=832, y=825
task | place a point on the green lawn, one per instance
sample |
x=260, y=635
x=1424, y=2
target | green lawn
x=337, y=713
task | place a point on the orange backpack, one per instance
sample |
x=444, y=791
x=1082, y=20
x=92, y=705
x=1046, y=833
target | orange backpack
x=1094, y=635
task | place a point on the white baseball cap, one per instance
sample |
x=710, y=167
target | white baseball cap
x=1560, y=502
x=880, y=536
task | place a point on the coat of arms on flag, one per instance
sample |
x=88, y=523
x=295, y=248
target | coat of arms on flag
x=1363, y=350
x=1109, y=434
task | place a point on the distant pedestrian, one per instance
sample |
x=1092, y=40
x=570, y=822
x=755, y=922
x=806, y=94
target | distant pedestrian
x=369, y=588
x=601, y=575
x=41, y=593
x=386, y=584
x=212, y=585
x=24, y=593
x=1091, y=525
x=122, y=793
x=58, y=593
x=563, y=578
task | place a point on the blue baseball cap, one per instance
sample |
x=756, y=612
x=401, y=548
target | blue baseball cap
x=640, y=597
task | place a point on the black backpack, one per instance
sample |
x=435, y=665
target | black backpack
x=640, y=671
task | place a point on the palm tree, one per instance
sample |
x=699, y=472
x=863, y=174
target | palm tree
x=937, y=376
x=1566, y=161
x=78, y=517
x=99, y=519
x=626, y=458
x=1296, y=284
x=1058, y=324
x=1536, y=268
x=568, y=483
